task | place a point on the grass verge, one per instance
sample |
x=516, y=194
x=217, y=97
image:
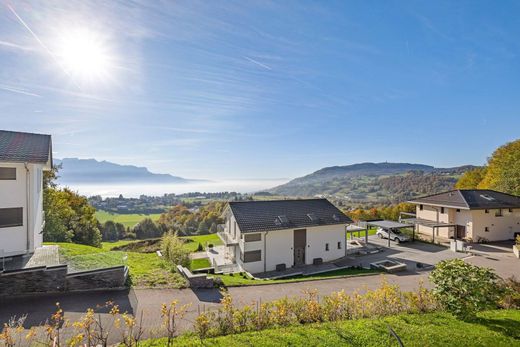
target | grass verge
x=492, y=328
x=199, y=264
x=237, y=280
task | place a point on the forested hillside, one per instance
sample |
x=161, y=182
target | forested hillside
x=374, y=183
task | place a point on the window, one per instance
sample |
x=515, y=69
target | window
x=498, y=213
x=339, y=245
x=486, y=211
x=421, y=207
x=252, y=256
x=11, y=217
x=442, y=209
x=7, y=173
x=235, y=230
x=458, y=210
x=327, y=247
x=252, y=237
x=486, y=229
x=510, y=210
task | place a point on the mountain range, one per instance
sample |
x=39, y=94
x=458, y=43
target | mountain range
x=376, y=183
x=74, y=170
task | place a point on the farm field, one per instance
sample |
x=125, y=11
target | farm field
x=128, y=220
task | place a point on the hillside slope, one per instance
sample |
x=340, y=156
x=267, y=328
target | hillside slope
x=373, y=182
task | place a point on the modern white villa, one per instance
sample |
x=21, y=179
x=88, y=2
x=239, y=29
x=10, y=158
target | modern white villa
x=23, y=158
x=263, y=236
x=476, y=215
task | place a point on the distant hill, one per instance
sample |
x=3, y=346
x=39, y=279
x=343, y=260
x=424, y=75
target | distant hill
x=76, y=170
x=376, y=183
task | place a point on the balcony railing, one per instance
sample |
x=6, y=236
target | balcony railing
x=226, y=238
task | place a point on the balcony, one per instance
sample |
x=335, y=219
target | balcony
x=226, y=238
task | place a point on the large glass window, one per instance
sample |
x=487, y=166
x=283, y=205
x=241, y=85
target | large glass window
x=11, y=217
x=252, y=237
x=251, y=256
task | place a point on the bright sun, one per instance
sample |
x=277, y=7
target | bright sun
x=84, y=55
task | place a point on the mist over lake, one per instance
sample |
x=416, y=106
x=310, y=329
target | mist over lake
x=134, y=190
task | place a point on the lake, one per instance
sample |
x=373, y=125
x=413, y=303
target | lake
x=133, y=190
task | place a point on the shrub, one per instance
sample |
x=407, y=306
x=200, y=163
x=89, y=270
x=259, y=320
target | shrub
x=386, y=300
x=173, y=249
x=464, y=289
x=200, y=248
x=512, y=293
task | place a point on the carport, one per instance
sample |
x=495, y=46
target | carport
x=427, y=223
x=388, y=225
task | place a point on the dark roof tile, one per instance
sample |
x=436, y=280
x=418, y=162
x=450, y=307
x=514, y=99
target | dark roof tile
x=253, y=216
x=471, y=199
x=24, y=147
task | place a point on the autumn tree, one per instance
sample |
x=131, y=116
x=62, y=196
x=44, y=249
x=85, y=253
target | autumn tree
x=503, y=169
x=471, y=179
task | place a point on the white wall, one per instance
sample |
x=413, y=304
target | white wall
x=317, y=237
x=500, y=228
x=279, y=247
x=13, y=240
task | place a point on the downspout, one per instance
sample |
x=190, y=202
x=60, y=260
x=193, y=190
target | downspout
x=265, y=250
x=28, y=244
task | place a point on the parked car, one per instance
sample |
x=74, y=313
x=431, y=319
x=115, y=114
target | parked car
x=395, y=235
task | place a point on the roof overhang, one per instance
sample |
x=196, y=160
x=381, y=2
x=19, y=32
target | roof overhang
x=438, y=205
x=428, y=223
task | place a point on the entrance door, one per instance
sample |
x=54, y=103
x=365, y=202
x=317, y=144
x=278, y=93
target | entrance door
x=300, y=242
x=461, y=231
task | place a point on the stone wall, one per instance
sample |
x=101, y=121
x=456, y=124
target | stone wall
x=55, y=279
x=114, y=277
x=35, y=280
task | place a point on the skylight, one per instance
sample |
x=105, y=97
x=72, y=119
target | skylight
x=313, y=217
x=487, y=197
x=335, y=217
x=282, y=219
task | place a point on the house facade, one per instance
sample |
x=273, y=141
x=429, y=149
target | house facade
x=23, y=158
x=476, y=215
x=263, y=236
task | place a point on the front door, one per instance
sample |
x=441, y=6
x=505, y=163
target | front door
x=461, y=231
x=300, y=242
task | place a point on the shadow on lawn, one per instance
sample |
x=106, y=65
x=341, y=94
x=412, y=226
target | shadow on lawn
x=506, y=326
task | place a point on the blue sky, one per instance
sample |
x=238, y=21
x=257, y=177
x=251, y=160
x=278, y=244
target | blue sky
x=247, y=89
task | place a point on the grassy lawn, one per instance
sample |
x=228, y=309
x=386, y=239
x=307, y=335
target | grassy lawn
x=107, y=246
x=199, y=264
x=128, y=220
x=242, y=280
x=146, y=269
x=492, y=328
x=202, y=239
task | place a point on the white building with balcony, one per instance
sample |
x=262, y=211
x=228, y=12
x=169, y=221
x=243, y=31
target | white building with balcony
x=23, y=158
x=261, y=236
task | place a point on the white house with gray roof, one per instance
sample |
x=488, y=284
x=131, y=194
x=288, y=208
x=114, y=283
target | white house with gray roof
x=263, y=236
x=23, y=158
x=472, y=214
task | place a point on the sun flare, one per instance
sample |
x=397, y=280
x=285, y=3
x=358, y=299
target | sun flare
x=84, y=55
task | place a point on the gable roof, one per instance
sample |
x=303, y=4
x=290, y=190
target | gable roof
x=471, y=199
x=254, y=216
x=25, y=147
